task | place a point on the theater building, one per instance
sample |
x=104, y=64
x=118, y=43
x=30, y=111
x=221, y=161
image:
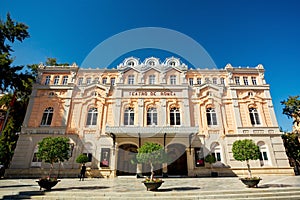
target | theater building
x=109, y=113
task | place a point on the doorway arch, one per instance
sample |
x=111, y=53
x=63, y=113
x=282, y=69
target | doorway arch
x=126, y=152
x=178, y=159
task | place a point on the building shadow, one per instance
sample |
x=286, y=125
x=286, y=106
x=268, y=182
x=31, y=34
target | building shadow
x=177, y=189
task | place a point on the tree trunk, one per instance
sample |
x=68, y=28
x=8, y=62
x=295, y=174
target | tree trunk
x=51, y=167
x=152, y=172
x=249, y=170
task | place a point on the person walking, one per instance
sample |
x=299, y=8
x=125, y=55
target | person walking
x=82, y=172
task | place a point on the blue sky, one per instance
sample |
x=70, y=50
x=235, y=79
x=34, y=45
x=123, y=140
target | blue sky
x=240, y=32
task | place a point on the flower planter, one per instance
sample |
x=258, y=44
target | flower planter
x=47, y=184
x=152, y=186
x=250, y=182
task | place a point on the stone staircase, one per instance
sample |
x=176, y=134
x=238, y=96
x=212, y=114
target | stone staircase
x=249, y=194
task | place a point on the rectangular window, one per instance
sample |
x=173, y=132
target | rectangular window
x=237, y=80
x=245, y=80
x=131, y=79
x=152, y=79
x=56, y=80
x=199, y=157
x=88, y=81
x=191, y=81
x=112, y=81
x=104, y=81
x=253, y=80
x=199, y=81
x=80, y=81
x=217, y=155
x=207, y=80
x=215, y=81
x=173, y=80
x=222, y=80
x=47, y=81
x=65, y=80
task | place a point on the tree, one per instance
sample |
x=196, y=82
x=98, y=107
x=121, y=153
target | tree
x=82, y=158
x=292, y=108
x=245, y=150
x=292, y=148
x=53, y=62
x=10, y=76
x=53, y=150
x=151, y=153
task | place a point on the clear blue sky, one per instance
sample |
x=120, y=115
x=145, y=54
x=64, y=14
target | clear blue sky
x=240, y=32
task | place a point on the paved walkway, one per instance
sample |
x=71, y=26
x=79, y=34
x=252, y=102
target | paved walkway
x=123, y=186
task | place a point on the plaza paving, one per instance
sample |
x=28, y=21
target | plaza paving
x=271, y=187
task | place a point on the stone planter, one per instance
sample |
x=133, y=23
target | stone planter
x=152, y=186
x=47, y=184
x=250, y=182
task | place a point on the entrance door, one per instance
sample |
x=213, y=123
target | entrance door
x=178, y=160
x=126, y=153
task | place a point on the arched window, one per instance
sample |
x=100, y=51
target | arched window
x=211, y=116
x=264, y=159
x=174, y=116
x=47, y=117
x=254, y=117
x=92, y=117
x=129, y=116
x=152, y=116
x=216, y=151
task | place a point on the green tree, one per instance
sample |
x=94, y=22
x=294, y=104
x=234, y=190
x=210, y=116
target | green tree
x=53, y=62
x=151, y=153
x=292, y=108
x=245, y=150
x=82, y=158
x=53, y=150
x=11, y=77
x=292, y=148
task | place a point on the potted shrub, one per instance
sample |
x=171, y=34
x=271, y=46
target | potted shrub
x=245, y=150
x=211, y=159
x=151, y=153
x=52, y=150
x=82, y=159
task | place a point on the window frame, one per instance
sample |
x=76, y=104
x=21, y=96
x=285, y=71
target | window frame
x=173, y=79
x=152, y=79
x=175, y=116
x=47, y=80
x=211, y=117
x=65, y=80
x=128, y=116
x=92, y=117
x=130, y=79
x=254, y=117
x=47, y=117
x=151, y=116
x=56, y=80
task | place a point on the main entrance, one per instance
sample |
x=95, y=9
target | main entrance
x=126, y=153
x=178, y=160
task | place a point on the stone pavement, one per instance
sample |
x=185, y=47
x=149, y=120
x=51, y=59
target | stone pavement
x=271, y=187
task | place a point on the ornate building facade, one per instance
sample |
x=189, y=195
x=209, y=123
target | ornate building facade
x=109, y=113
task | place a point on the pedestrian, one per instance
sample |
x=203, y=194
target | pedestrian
x=82, y=172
